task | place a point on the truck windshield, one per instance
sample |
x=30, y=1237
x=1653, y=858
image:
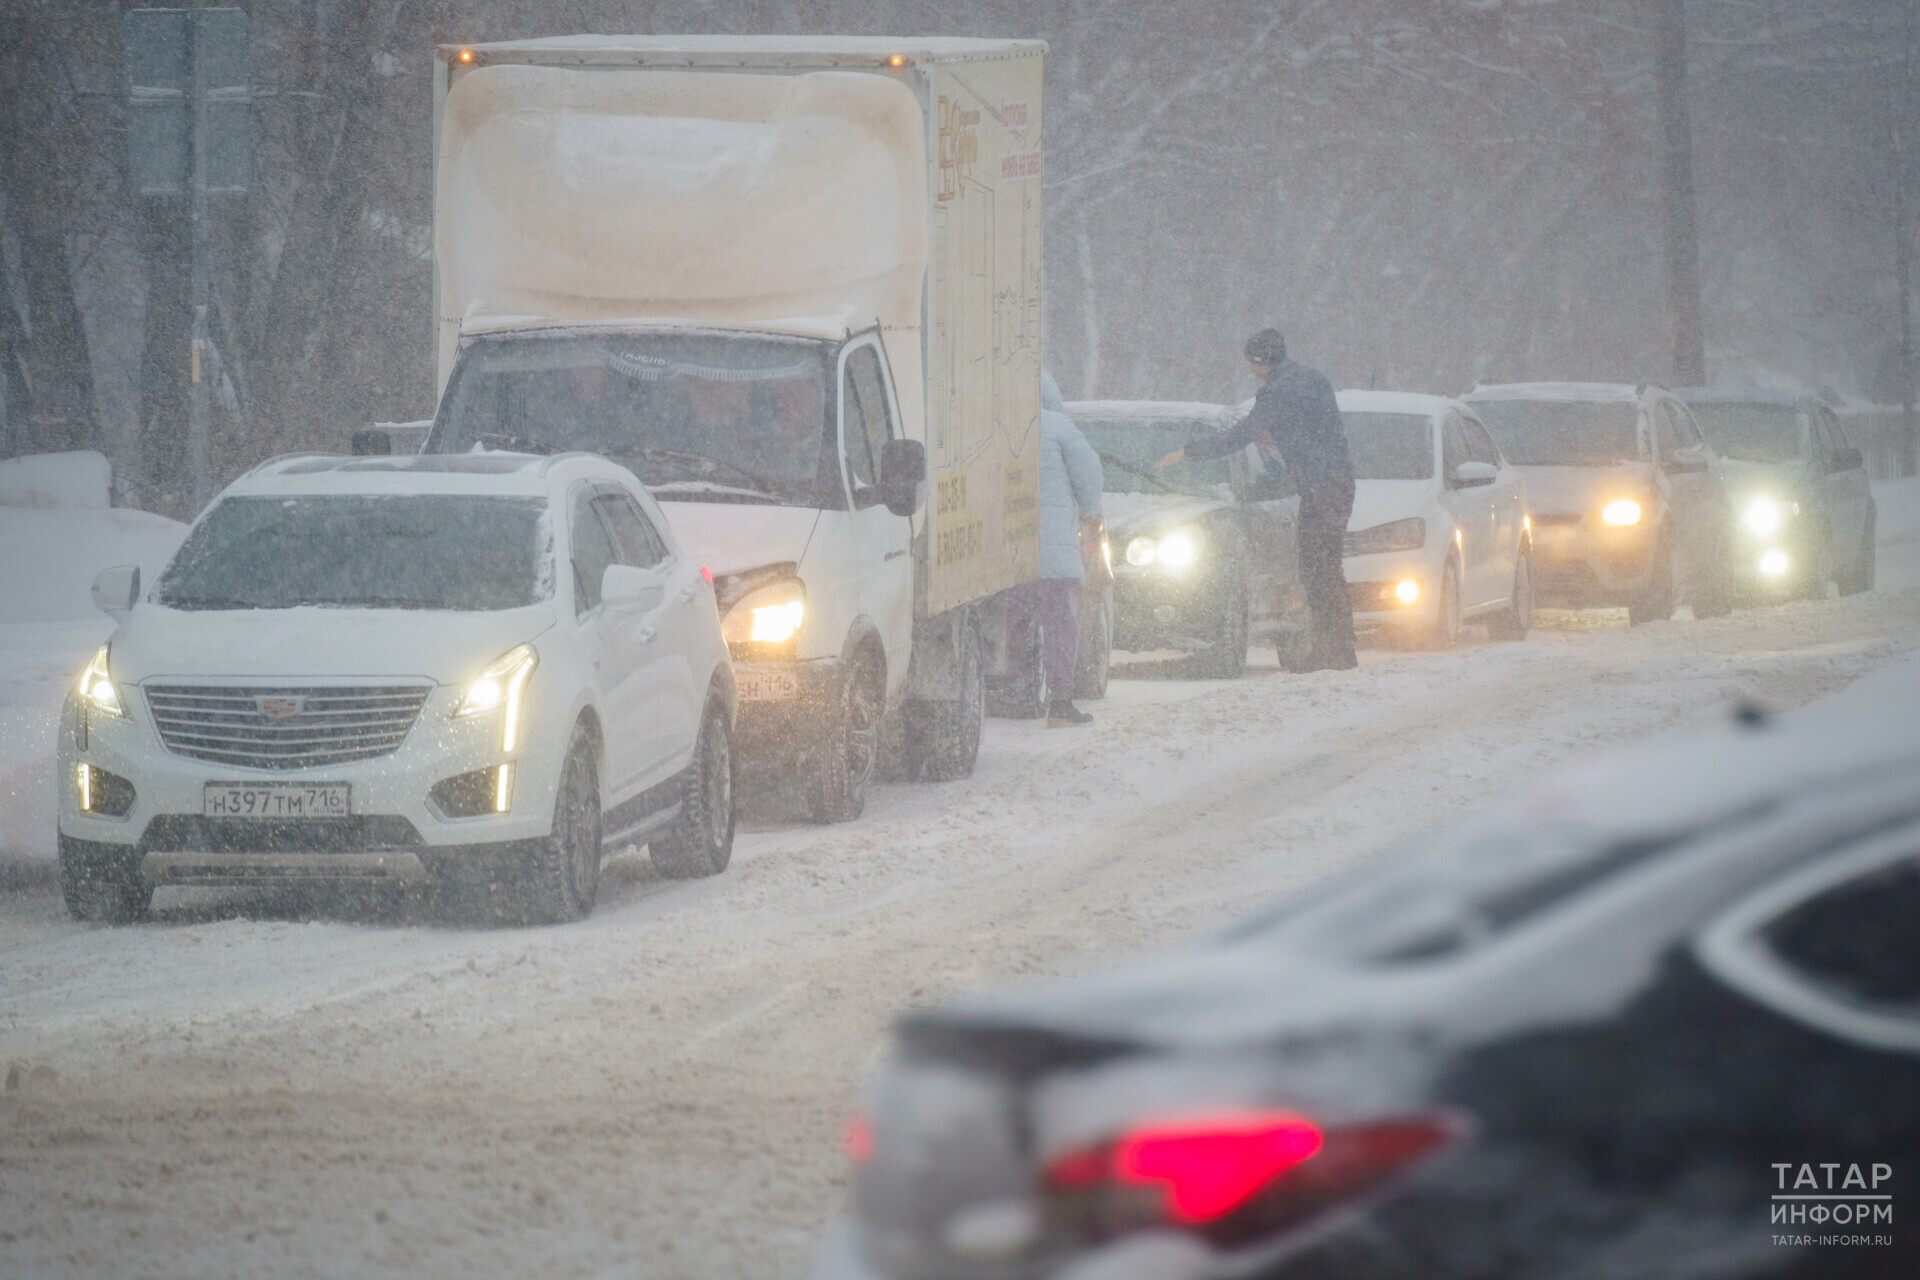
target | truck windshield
x=1389, y=446
x=1128, y=448
x=364, y=551
x=1752, y=432
x=1563, y=433
x=698, y=417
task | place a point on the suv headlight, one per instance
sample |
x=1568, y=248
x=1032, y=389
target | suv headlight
x=1175, y=550
x=1398, y=535
x=772, y=614
x=1763, y=516
x=96, y=688
x=503, y=684
x=1620, y=513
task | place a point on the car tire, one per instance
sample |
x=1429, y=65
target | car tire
x=1091, y=672
x=1859, y=574
x=1226, y=658
x=1022, y=693
x=838, y=771
x=565, y=876
x=100, y=882
x=699, y=842
x=1295, y=652
x=1445, y=632
x=949, y=731
x=1656, y=601
x=1514, y=621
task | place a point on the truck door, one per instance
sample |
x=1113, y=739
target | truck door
x=881, y=541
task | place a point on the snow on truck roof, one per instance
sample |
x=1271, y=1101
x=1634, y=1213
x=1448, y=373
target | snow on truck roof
x=1603, y=391
x=742, y=51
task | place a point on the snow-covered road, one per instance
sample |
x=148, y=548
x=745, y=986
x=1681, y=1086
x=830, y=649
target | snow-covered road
x=250, y=1085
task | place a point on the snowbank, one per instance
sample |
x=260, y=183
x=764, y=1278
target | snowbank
x=56, y=533
x=78, y=479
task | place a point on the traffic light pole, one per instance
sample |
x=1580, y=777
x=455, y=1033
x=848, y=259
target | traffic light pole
x=198, y=444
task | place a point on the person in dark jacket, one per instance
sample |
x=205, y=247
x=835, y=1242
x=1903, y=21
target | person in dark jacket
x=1295, y=411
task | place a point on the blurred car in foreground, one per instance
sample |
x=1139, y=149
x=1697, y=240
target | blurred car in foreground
x=469, y=671
x=1439, y=531
x=1627, y=500
x=1803, y=510
x=1206, y=555
x=1660, y=1014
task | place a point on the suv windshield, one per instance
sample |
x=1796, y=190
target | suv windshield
x=709, y=417
x=1128, y=448
x=364, y=551
x=1390, y=446
x=1752, y=432
x=1563, y=433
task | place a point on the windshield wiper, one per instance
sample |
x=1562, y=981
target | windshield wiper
x=208, y=602
x=760, y=483
x=1148, y=476
x=718, y=490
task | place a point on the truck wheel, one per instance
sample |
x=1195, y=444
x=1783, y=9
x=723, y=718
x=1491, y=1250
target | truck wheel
x=1296, y=652
x=1656, y=601
x=700, y=841
x=951, y=727
x=564, y=879
x=838, y=770
x=1514, y=621
x=1096, y=653
x=1226, y=657
x=100, y=882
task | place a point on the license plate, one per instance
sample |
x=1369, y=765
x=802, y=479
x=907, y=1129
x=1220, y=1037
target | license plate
x=766, y=686
x=276, y=800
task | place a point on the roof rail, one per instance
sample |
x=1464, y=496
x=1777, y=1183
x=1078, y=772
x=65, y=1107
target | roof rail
x=547, y=463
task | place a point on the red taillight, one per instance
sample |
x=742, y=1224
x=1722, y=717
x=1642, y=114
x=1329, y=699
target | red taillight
x=1211, y=1167
x=859, y=1139
x=1238, y=1175
x=707, y=573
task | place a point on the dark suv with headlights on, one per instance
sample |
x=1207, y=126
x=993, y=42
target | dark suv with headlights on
x=1661, y=1019
x=1802, y=508
x=1627, y=501
x=1206, y=555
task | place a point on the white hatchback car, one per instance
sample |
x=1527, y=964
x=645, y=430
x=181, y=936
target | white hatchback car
x=472, y=670
x=1440, y=531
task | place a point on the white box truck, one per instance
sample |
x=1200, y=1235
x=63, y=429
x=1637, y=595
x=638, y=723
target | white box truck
x=794, y=284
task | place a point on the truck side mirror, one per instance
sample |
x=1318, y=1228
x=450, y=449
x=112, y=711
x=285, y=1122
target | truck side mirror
x=1470, y=475
x=903, y=468
x=116, y=589
x=371, y=442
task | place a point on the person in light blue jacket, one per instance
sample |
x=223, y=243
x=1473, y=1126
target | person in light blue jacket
x=1070, y=485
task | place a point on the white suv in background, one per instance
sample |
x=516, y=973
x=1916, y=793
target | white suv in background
x=473, y=670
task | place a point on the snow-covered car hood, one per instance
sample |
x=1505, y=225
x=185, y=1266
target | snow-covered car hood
x=1133, y=513
x=728, y=537
x=442, y=646
x=1566, y=491
x=1383, y=501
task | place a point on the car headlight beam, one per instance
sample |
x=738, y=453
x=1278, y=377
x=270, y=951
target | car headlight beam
x=773, y=614
x=96, y=688
x=1763, y=516
x=502, y=684
x=1177, y=550
x=1620, y=513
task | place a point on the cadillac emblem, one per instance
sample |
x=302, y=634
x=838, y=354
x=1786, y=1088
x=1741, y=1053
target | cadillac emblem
x=280, y=706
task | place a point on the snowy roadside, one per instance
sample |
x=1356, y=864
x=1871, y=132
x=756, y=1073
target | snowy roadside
x=240, y=1088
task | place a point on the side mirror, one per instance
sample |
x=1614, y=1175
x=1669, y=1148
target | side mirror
x=371, y=442
x=116, y=589
x=628, y=585
x=1471, y=475
x=1848, y=458
x=903, y=468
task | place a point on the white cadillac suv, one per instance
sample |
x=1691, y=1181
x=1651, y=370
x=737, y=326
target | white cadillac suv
x=480, y=669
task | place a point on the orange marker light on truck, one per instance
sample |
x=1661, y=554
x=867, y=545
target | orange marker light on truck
x=466, y=55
